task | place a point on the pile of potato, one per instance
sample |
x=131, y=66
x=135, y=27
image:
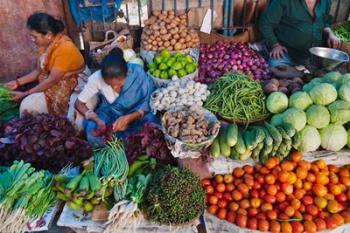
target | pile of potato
x=285, y=85
x=165, y=30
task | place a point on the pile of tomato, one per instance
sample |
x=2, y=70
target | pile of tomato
x=290, y=196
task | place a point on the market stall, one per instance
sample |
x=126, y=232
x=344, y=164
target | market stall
x=277, y=148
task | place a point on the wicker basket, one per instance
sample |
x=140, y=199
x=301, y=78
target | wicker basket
x=344, y=46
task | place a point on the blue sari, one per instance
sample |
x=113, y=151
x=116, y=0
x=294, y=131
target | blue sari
x=134, y=96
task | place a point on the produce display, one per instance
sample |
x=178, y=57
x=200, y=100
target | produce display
x=189, y=126
x=237, y=98
x=179, y=93
x=319, y=113
x=342, y=31
x=287, y=86
x=290, y=196
x=220, y=58
x=150, y=141
x=45, y=141
x=165, y=30
x=174, y=196
x=9, y=109
x=144, y=164
x=25, y=195
x=167, y=65
x=257, y=142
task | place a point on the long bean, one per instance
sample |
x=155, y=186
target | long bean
x=237, y=98
x=343, y=32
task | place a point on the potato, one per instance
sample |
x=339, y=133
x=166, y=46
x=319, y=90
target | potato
x=270, y=88
x=182, y=40
x=163, y=31
x=154, y=43
x=156, y=12
x=171, y=17
x=158, y=39
x=173, y=42
x=188, y=38
x=284, y=82
x=166, y=44
x=156, y=33
x=160, y=43
x=275, y=82
x=178, y=46
x=162, y=24
x=183, y=21
x=182, y=16
x=155, y=27
x=183, y=34
x=154, y=48
x=172, y=25
x=283, y=89
x=164, y=12
x=176, y=36
x=171, y=12
x=170, y=48
x=189, y=44
x=148, y=47
x=166, y=37
x=184, y=46
x=161, y=48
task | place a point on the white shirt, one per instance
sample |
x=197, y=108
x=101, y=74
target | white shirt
x=95, y=85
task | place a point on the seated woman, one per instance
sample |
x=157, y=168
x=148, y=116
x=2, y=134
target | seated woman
x=57, y=71
x=124, y=91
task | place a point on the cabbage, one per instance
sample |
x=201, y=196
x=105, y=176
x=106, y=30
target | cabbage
x=310, y=139
x=128, y=54
x=344, y=92
x=277, y=119
x=323, y=94
x=340, y=112
x=295, y=117
x=136, y=60
x=333, y=137
x=307, y=87
x=318, y=116
x=300, y=100
x=277, y=102
x=343, y=79
x=331, y=77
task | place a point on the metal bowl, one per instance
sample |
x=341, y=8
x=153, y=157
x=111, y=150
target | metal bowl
x=327, y=58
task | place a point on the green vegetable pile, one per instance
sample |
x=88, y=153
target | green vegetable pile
x=236, y=97
x=8, y=108
x=174, y=196
x=319, y=113
x=25, y=194
x=343, y=32
x=165, y=65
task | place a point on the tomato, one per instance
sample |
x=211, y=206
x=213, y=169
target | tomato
x=298, y=184
x=298, y=215
x=245, y=204
x=283, y=206
x=304, y=164
x=219, y=195
x=231, y=217
x=299, y=193
x=333, y=206
x=241, y=220
x=322, y=214
x=270, y=163
x=302, y=208
x=329, y=197
x=254, y=193
x=322, y=179
x=248, y=169
x=249, y=181
x=272, y=189
x=310, y=226
x=212, y=209
x=219, y=179
x=243, y=188
x=276, y=170
x=339, y=219
x=271, y=214
x=286, y=227
x=296, y=156
x=331, y=222
x=256, y=185
x=319, y=190
x=332, y=168
x=261, y=216
x=270, y=199
x=209, y=189
x=233, y=206
x=263, y=225
x=270, y=179
x=229, y=187
x=228, y=178
x=237, y=181
x=297, y=227
x=259, y=178
x=307, y=200
x=227, y=196
x=238, y=172
x=321, y=164
x=275, y=227
x=222, y=204
x=205, y=182
x=252, y=212
x=308, y=217
x=252, y=223
x=213, y=200
x=262, y=193
x=287, y=166
x=333, y=178
x=280, y=197
x=287, y=188
x=221, y=214
x=320, y=224
x=321, y=202
x=345, y=181
x=311, y=177
x=335, y=189
x=341, y=197
x=292, y=178
x=295, y=204
x=283, y=216
x=264, y=170
x=312, y=210
x=289, y=211
x=255, y=202
x=346, y=216
x=237, y=195
x=283, y=176
x=220, y=188
x=266, y=207
x=314, y=168
x=242, y=211
x=343, y=172
x=307, y=185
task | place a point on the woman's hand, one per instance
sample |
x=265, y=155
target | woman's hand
x=12, y=85
x=278, y=51
x=100, y=123
x=121, y=124
x=333, y=41
x=18, y=95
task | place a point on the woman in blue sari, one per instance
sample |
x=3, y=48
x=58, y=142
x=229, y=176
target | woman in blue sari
x=124, y=91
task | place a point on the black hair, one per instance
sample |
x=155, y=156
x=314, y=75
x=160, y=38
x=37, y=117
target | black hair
x=44, y=23
x=114, y=65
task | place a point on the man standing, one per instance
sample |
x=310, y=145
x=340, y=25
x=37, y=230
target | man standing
x=291, y=27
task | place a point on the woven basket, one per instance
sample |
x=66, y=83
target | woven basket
x=345, y=46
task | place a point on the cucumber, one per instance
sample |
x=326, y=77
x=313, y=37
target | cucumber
x=234, y=155
x=231, y=135
x=268, y=139
x=266, y=151
x=246, y=155
x=215, y=148
x=240, y=146
x=275, y=134
x=224, y=147
x=256, y=151
x=281, y=151
x=249, y=139
x=284, y=134
x=259, y=134
x=296, y=140
x=289, y=129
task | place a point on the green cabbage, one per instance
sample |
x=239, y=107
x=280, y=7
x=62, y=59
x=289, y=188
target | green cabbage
x=318, y=116
x=310, y=139
x=331, y=77
x=343, y=79
x=344, y=92
x=333, y=137
x=277, y=102
x=340, y=112
x=300, y=100
x=295, y=117
x=323, y=94
x=277, y=119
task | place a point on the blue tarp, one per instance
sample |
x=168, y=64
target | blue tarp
x=93, y=13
